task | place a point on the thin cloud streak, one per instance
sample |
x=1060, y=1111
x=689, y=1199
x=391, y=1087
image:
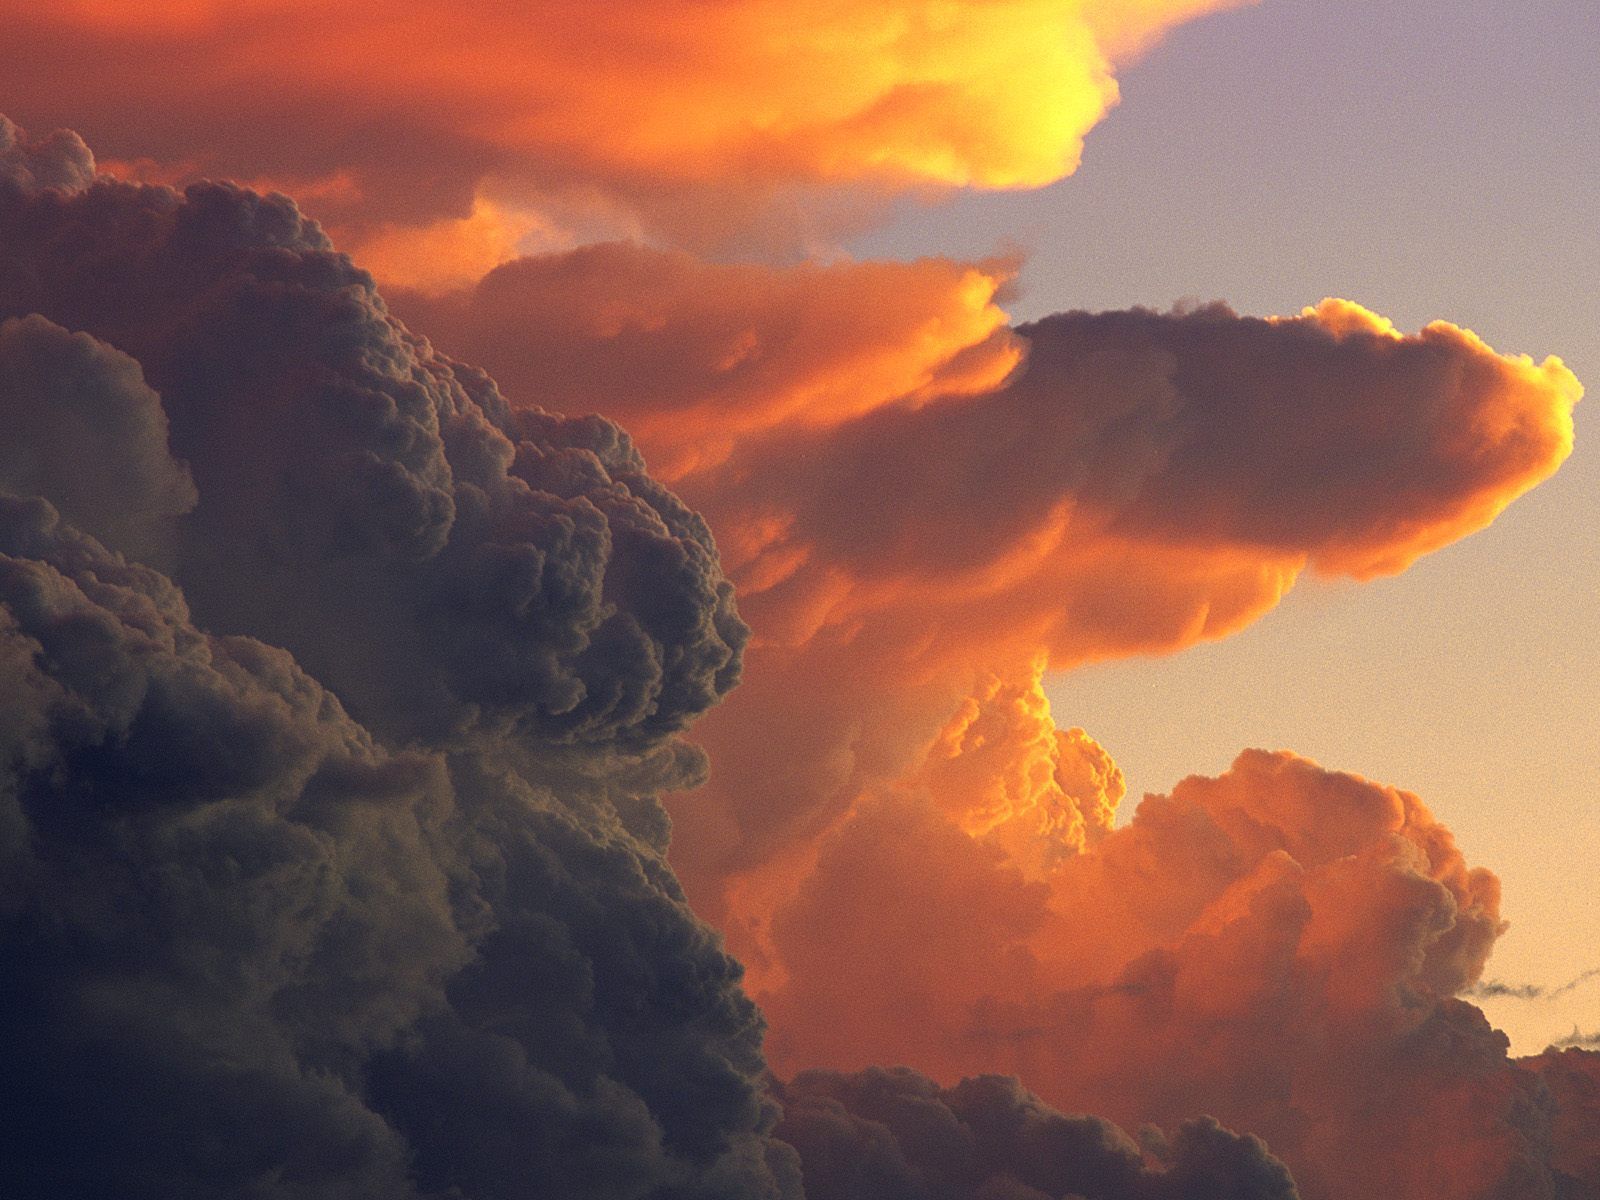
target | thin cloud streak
x=1497, y=990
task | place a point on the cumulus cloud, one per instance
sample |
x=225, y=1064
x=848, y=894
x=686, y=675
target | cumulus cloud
x=1279, y=946
x=1147, y=479
x=83, y=428
x=387, y=911
x=904, y=508
x=825, y=391
x=260, y=948
x=254, y=953
x=694, y=119
x=438, y=560
x=895, y=1135
x=263, y=948
x=935, y=879
x=59, y=160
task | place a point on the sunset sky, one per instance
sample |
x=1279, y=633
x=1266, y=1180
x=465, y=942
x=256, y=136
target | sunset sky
x=1425, y=158
x=765, y=599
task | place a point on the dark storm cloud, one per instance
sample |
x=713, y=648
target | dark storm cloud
x=215, y=890
x=250, y=950
x=82, y=427
x=442, y=564
x=896, y=1135
x=251, y=953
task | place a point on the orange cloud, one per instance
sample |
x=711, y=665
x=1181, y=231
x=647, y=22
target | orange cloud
x=906, y=514
x=881, y=473
x=652, y=106
x=696, y=357
x=1003, y=772
x=1278, y=946
x=1145, y=481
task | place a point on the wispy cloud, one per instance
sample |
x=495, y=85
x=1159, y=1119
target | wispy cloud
x=1494, y=989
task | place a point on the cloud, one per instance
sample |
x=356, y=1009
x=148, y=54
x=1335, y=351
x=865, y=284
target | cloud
x=387, y=911
x=1279, y=946
x=895, y=1135
x=1146, y=480
x=1572, y=1076
x=253, y=953
x=1495, y=989
x=441, y=562
x=60, y=160
x=695, y=358
x=195, y=830
x=826, y=385
x=260, y=948
x=905, y=509
x=84, y=428
x=692, y=118
x=1580, y=1040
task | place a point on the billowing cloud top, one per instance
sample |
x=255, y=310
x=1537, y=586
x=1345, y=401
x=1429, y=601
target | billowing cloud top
x=404, y=111
x=60, y=160
x=894, y=1135
x=259, y=948
x=441, y=561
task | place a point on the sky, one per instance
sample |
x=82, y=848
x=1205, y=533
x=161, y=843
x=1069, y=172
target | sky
x=1425, y=159
x=764, y=600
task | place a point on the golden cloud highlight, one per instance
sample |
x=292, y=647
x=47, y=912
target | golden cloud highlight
x=656, y=106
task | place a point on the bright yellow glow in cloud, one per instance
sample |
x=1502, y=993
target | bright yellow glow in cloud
x=640, y=99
